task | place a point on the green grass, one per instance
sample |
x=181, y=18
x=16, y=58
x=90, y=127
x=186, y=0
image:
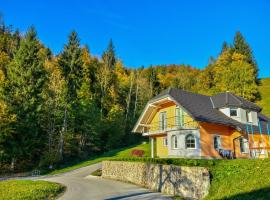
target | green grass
x=241, y=179
x=124, y=152
x=264, y=89
x=230, y=179
x=29, y=190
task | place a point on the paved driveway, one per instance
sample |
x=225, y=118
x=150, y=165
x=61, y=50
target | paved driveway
x=81, y=186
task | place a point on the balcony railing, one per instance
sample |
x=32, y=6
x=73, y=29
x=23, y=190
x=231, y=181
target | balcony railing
x=169, y=124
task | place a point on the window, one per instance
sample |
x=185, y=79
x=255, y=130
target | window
x=217, y=142
x=174, y=142
x=249, y=117
x=162, y=121
x=243, y=145
x=190, y=142
x=179, y=117
x=165, y=142
x=233, y=112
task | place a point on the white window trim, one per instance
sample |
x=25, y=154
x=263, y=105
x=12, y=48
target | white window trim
x=237, y=112
x=194, y=139
x=173, y=142
x=249, y=117
x=243, y=152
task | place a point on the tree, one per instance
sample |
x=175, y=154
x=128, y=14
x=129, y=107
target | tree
x=233, y=73
x=22, y=93
x=54, y=94
x=108, y=56
x=105, y=75
x=70, y=62
x=225, y=47
x=242, y=47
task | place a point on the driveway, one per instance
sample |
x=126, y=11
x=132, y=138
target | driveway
x=81, y=186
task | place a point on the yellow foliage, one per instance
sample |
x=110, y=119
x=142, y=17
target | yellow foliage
x=238, y=57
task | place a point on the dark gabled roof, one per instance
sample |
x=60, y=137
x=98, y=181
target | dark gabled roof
x=204, y=109
x=229, y=99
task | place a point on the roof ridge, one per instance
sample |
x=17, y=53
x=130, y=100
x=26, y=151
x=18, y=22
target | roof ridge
x=212, y=102
x=235, y=97
x=226, y=98
x=193, y=93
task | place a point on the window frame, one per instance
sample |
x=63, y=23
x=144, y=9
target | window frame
x=234, y=109
x=165, y=141
x=242, y=144
x=179, y=116
x=249, y=116
x=220, y=143
x=173, y=139
x=195, y=145
x=163, y=124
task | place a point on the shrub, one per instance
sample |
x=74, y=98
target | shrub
x=137, y=153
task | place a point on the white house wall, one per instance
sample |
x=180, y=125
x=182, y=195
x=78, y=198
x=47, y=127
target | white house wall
x=241, y=115
x=181, y=151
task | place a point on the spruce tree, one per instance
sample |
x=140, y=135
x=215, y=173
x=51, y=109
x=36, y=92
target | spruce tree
x=70, y=62
x=108, y=56
x=241, y=46
x=25, y=80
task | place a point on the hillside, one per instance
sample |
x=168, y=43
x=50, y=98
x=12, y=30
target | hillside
x=264, y=89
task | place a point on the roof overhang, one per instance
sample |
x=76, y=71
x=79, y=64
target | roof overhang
x=149, y=112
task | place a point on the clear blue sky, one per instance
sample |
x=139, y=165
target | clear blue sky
x=148, y=31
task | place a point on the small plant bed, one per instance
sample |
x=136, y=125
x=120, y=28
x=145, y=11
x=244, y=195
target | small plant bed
x=98, y=172
x=30, y=190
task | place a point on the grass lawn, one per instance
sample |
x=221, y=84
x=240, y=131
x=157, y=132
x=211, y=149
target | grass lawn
x=241, y=179
x=264, y=89
x=29, y=190
x=124, y=152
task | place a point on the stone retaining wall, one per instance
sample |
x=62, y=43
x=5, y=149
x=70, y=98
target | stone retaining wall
x=188, y=182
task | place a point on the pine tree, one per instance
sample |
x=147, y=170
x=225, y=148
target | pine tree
x=106, y=78
x=25, y=80
x=225, y=47
x=241, y=46
x=109, y=57
x=70, y=62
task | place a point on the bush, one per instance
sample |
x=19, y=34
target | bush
x=170, y=161
x=137, y=153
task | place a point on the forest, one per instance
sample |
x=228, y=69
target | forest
x=69, y=106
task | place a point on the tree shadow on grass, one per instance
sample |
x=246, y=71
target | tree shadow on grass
x=261, y=194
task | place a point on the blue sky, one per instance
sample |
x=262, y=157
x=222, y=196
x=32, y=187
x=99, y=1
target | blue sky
x=148, y=31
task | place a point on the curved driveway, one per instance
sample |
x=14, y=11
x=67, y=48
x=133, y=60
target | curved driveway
x=81, y=186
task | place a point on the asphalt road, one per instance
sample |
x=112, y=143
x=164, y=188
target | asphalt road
x=81, y=186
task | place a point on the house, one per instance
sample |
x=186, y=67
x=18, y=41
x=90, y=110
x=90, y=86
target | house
x=185, y=124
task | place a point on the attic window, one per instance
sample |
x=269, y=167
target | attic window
x=233, y=112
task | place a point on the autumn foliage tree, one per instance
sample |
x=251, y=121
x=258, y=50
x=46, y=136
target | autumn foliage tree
x=67, y=107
